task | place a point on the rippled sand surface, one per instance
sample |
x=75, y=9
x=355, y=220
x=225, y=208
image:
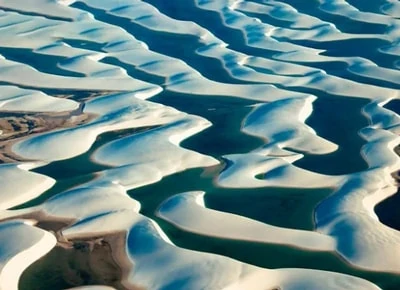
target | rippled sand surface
x=199, y=144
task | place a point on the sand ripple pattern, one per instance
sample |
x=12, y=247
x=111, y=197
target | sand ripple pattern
x=199, y=144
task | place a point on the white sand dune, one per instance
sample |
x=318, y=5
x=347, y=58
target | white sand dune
x=286, y=128
x=20, y=185
x=245, y=170
x=158, y=148
x=20, y=251
x=17, y=99
x=139, y=91
x=187, y=211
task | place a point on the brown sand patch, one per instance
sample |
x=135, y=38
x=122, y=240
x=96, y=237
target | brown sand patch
x=96, y=260
x=80, y=262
